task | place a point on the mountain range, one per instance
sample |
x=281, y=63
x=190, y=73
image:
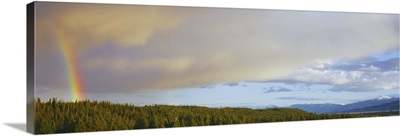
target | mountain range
x=391, y=106
x=379, y=104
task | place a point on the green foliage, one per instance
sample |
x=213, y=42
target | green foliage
x=56, y=116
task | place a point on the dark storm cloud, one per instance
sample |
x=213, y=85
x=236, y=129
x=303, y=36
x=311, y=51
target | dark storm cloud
x=136, y=48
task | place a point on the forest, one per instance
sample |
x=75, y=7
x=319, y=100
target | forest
x=57, y=116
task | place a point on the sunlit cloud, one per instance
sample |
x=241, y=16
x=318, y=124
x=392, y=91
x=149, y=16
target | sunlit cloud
x=354, y=77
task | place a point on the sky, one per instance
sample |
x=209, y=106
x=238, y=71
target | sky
x=213, y=56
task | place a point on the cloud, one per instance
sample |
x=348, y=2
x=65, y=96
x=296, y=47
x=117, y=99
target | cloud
x=374, y=81
x=232, y=84
x=277, y=89
x=88, y=25
x=391, y=64
x=300, y=98
x=207, y=87
x=353, y=77
x=134, y=48
x=370, y=68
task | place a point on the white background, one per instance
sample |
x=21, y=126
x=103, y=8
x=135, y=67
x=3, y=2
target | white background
x=13, y=73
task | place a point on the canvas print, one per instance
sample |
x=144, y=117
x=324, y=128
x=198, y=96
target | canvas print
x=102, y=67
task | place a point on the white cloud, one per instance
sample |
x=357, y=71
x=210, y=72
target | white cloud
x=371, y=68
x=360, y=80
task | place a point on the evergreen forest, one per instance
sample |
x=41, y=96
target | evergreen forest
x=57, y=116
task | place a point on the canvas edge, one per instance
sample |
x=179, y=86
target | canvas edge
x=30, y=29
x=30, y=58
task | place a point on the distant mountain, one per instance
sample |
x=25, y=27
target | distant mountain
x=262, y=107
x=317, y=108
x=391, y=106
x=367, y=103
x=335, y=108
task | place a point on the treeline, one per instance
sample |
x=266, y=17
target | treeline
x=56, y=116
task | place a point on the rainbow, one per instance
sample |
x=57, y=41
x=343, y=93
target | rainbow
x=74, y=78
